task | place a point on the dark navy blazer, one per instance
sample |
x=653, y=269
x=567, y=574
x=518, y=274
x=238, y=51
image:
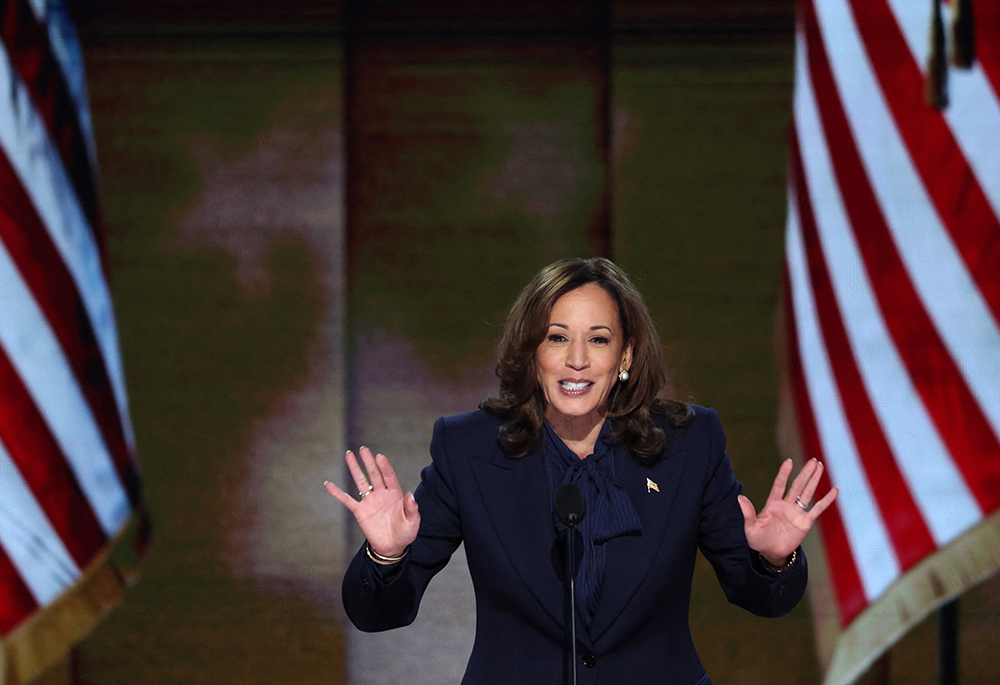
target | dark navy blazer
x=501, y=508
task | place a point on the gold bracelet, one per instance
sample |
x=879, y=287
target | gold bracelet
x=778, y=569
x=381, y=560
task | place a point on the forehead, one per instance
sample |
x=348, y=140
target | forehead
x=590, y=302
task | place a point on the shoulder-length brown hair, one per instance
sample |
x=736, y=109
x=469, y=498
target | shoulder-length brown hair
x=521, y=401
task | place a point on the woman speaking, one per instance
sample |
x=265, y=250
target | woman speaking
x=580, y=370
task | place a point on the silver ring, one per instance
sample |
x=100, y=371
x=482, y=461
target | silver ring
x=799, y=502
x=367, y=492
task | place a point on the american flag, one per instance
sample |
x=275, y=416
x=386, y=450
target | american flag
x=68, y=480
x=893, y=282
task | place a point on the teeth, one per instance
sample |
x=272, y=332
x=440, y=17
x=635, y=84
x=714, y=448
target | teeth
x=574, y=386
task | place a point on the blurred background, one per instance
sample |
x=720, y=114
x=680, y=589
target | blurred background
x=317, y=214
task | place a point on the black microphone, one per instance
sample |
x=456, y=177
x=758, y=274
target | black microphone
x=571, y=507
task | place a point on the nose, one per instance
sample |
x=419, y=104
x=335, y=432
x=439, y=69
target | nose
x=577, y=357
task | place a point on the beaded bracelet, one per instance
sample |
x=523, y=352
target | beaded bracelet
x=776, y=569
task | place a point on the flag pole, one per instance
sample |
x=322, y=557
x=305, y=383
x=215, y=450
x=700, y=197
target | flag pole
x=881, y=670
x=948, y=643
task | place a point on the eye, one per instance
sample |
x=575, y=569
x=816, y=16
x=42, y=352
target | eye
x=556, y=338
x=600, y=340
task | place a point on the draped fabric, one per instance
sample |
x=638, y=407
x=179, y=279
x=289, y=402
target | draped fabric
x=610, y=512
x=68, y=479
x=893, y=303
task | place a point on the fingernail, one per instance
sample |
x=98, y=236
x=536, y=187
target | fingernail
x=326, y=482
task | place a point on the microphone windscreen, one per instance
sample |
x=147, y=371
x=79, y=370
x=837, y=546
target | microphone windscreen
x=570, y=505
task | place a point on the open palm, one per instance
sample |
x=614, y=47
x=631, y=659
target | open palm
x=786, y=518
x=388, y=517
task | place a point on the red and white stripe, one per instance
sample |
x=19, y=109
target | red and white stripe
x=67, y=474
x=893, y=270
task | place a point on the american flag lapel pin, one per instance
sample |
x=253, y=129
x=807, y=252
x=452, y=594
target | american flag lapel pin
x=650, y=486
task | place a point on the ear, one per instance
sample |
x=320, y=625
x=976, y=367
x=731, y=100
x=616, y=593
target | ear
x=627, y=354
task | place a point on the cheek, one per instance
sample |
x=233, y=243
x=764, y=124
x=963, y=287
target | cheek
x=540, y=371
x=543, y=363
x=611, y=376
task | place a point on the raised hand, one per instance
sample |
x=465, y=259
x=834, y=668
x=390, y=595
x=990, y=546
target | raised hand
x=786, y=517
x=388, y=517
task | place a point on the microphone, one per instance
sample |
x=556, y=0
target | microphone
x=571, y=507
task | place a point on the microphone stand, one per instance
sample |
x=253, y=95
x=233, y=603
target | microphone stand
x=571, y=574
x=571, y=507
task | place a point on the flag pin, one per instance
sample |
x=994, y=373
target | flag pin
x=650, y=486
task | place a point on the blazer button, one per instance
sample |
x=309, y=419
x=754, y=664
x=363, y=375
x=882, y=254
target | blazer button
x=589, y=660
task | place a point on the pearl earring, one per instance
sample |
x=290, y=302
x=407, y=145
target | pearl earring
x=623, y=375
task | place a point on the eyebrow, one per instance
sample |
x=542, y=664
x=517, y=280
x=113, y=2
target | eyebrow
x=592, y=328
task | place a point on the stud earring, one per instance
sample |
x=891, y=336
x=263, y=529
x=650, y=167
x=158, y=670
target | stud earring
x=623, y=375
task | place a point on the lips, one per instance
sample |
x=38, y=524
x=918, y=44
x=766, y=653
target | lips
x=575, y=387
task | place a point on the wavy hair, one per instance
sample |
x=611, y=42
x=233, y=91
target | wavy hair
x=521, y=401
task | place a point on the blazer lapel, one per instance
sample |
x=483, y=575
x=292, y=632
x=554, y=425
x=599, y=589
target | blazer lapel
x=516, y=495
x=625, y=570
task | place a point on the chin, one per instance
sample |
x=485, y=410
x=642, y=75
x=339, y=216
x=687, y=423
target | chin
x=555, y=410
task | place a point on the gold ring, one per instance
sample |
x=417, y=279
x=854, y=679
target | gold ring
x=367, y=492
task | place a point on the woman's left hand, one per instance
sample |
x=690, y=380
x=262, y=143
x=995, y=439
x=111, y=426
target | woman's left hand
x=786, y=517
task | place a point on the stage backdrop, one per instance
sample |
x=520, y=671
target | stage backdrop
x=220, y=135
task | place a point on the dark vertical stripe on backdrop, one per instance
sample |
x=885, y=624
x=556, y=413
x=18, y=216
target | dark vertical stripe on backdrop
x=29, y=50
x=42, y=464
x=911, y=538
x=947, y=177
x=844, y=576
x=601, y=231
x=946, y=396
x=56, y=294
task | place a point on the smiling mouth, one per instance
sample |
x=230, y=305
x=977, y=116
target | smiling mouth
x=575, y=387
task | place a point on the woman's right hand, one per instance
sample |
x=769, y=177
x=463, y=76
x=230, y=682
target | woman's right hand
x=389, y=518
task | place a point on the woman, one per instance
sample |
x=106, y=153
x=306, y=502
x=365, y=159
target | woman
x=580, y=370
